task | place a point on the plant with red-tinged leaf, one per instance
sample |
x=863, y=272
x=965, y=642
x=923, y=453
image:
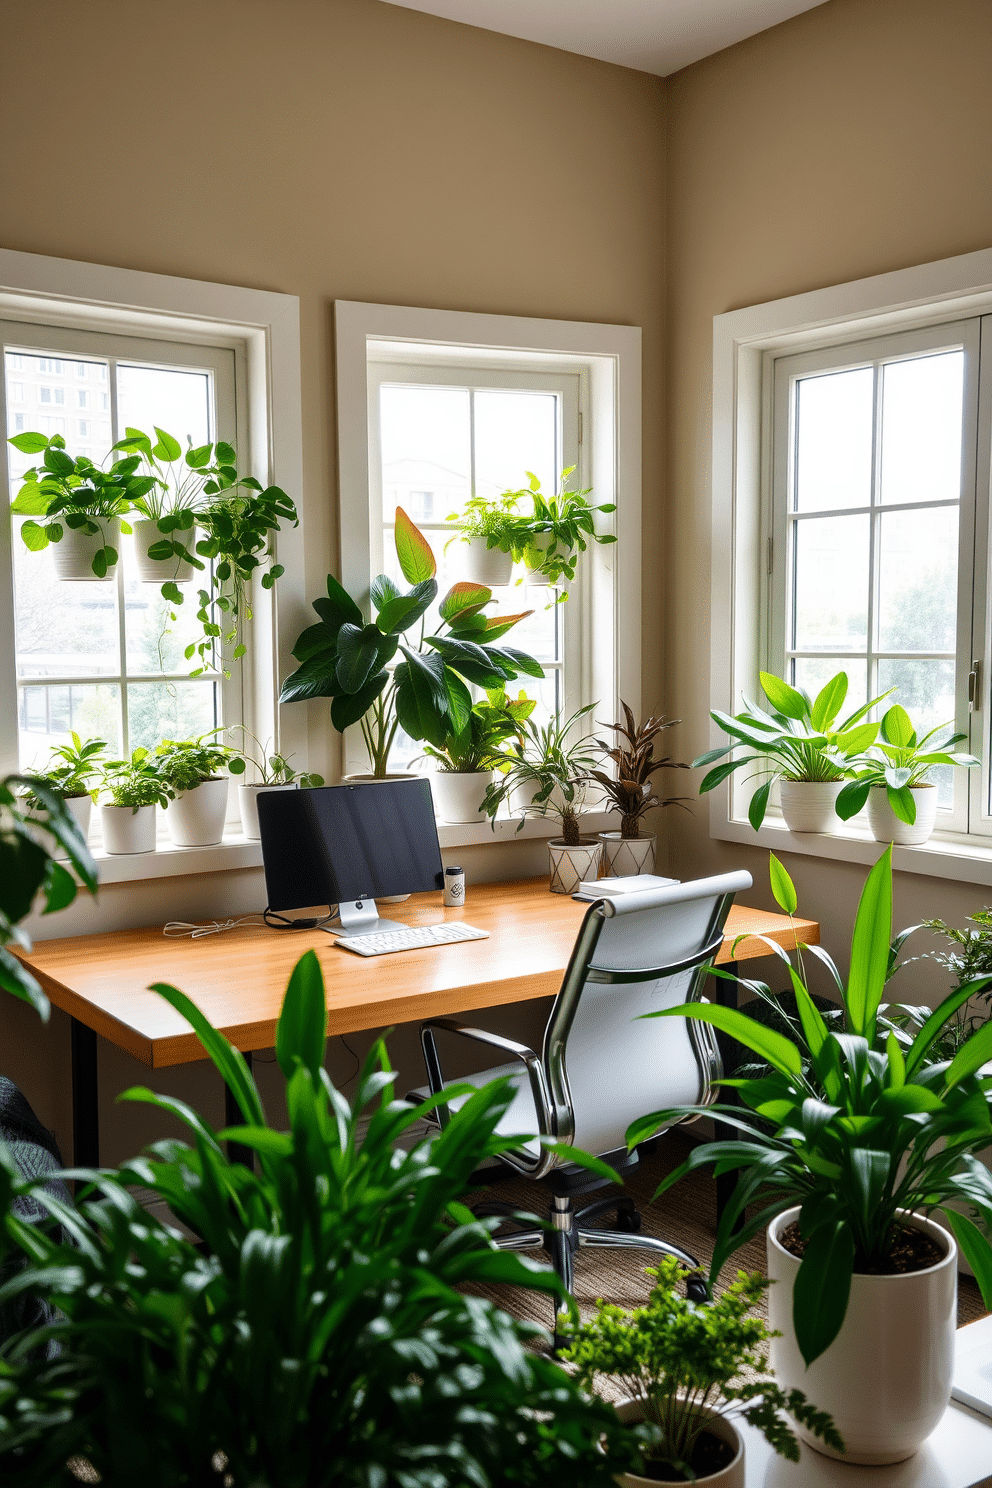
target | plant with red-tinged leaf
x=631, y=791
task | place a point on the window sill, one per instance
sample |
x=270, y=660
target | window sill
x=948, y=855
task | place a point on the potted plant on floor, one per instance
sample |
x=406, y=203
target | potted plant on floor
x=799, y=743
x=688, y=1369
x=135, y=787
x=312, y=1330
x=894, y=779
x=83, y=506
x=631, y=793
x=197, y=810
x=277, y=775
x=469, y=759
x=71, y=779
x=844, y=1151
x=350, y=659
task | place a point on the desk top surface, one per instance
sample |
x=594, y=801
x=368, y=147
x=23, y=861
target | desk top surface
x=238, y=977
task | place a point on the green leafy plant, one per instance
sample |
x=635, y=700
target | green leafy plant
x=27, y=868
x=675, y=1358
x=863, y=1139
x=969, y=961
x=489, y=520
x=349, y=659
x=900, y=762
x=272, y=769
x=75, y=493
x=799, y=740
x=554, y=769
x=135, y=782
x=80, y=764
x=481, y=744
x=316, y=1333
x=183, y=765
x=630, y=790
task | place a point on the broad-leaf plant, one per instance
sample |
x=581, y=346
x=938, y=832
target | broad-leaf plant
x=900, y=761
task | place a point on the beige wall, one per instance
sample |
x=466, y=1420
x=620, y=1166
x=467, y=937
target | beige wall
x=852, y=140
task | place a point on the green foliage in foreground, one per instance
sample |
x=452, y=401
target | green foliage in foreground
x=317, y=1336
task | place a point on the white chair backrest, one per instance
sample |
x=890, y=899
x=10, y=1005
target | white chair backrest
x=603, y=1060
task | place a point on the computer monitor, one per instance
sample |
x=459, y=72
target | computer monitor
x=349, y=845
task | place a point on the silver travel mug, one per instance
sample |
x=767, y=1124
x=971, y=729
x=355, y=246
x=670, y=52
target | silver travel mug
x=454, y=888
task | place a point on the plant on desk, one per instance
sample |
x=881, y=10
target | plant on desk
x=197, y=810
x=631, y=791
x=318, y=1333
x=135, y=787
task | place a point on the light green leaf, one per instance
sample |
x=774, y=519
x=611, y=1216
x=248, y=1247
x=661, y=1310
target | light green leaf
x=870, y=948
x=829, y=702
x=783, y=889
x=781, y=1053
x=783, y=698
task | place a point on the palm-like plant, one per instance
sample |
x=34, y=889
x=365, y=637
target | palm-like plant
x=556, y=771
x=633, y=755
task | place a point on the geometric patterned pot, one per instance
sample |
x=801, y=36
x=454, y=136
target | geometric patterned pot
x=572, y=865
x=623, y=857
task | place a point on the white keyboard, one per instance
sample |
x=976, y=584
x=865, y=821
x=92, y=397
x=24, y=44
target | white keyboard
x=411, y=939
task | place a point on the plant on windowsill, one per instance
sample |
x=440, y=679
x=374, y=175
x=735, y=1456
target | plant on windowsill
x=349, y=659
x=799, y=743
x=71, y=779
x=843, y=1148
x=317, y=1332
x=467, y=760
x=687, y=1369
x=135, y=787
x=894, y=779
x=198, y=809
x=276, y=772
x=83, y=506
x=630, y=791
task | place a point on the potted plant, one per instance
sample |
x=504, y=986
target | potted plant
x=165, y=535
x=894, y=778
x=349, y=659
x=135, y=787
x=70, y=780
x=197, y=810
x=630, y=791
x=312, y=1329
x=277, y=775
x=799, y=743
x=844, y=1150
x=688, y=1368
x=83, y=506
x=468, y=760
x=487, y=527
x=555, y=772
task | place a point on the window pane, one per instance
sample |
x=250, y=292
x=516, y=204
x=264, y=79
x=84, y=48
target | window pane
x=170, y=710
x=154, y=643
x=34, y=379
x=47, y=715
x=917, y=580
x=515, y=432
x=177, y=401
x=926, y=691
x=833, y=440
x=63, y=630
x=831, y=584
x=921, y=428
x=426, y=452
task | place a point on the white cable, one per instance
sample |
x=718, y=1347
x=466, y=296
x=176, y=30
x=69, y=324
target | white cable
x=180, y=929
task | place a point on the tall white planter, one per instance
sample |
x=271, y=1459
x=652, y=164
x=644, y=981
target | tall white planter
x=154, y=571
x=731, y=1476
x=126, y=830
x=72, y=556
x=196, y=817
x=625, y=856
x=477, y=564
x=809, y=807
x=458, y=794
x=886, y=826
x=248, y=806
x=886, y=1378
x=572, y=865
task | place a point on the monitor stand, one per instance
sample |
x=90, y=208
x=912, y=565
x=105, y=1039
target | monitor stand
x=360, y=917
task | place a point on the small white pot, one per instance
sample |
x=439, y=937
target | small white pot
x=248, y=806
x=81, y=807
x=196, y=817
x=477, y=564
x=809, y=806
x=73, y=554
x=886, y=826
x=731, y=1476
x=126, y=830
x=154, y=570
x=458, y=794
x=886, y=1378
x=571, y=866
x=625, y=856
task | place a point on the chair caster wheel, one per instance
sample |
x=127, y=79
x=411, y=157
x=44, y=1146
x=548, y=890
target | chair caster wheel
x=629, y=1221
x=695, y=1289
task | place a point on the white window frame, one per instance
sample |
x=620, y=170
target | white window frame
x=745, y=346
x=263, y=330
x=608, y=358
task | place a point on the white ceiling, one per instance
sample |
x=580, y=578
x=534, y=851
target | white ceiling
x=658, y=36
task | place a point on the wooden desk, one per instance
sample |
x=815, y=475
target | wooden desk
x=238, y=978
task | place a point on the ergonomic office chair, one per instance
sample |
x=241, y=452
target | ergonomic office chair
x=602, y=1064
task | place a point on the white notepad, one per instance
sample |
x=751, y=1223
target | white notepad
x=615, y=888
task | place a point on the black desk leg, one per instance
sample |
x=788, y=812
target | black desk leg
x=233, y=1116
x=85, y=1110
x=726, y=995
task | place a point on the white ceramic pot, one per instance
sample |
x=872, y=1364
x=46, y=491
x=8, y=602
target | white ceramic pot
x=477, y=564
x=886, y=826
x=625, y=856
x=156, y=571
x=521, y=797
x=81, y=807
x=196, y=817
x=248, y=806
x=73, y=554
x=458, y=794
x=534, y=576
x=731, y=1476
x=126, y=830
x=886, y=1378
x=572, y=865
x=809, y=807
